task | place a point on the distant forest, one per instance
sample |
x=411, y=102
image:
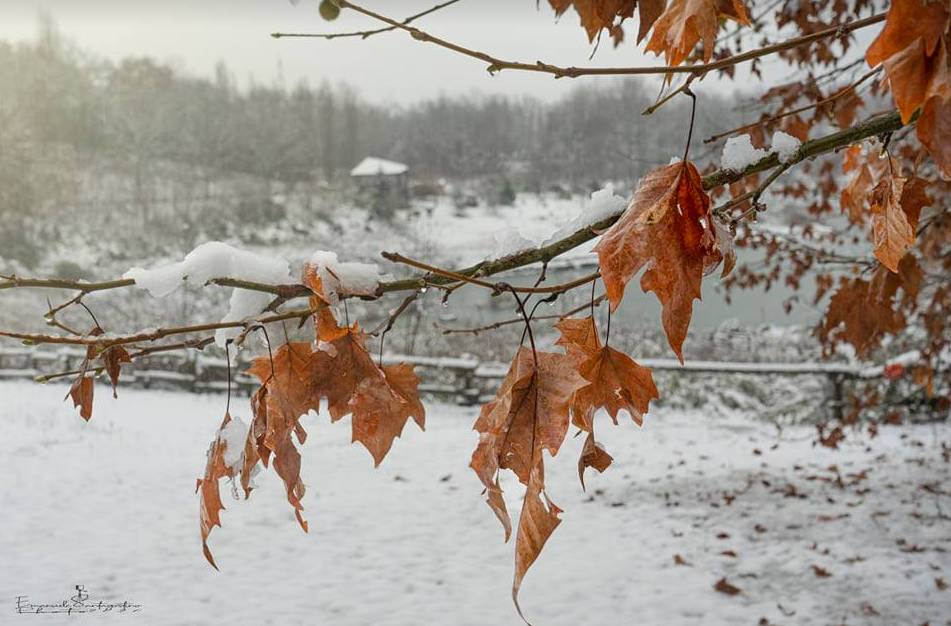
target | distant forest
x=82, y=134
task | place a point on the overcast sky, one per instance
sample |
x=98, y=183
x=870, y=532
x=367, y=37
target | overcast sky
x=196, y=34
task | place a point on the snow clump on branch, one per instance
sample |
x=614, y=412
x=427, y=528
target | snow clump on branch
x=215, y=259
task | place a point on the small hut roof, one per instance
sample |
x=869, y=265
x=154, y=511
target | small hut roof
x=373, y=166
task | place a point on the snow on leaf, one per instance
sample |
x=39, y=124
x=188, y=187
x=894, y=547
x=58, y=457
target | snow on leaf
x=684, y=23
x=668, y=228
x=210, y=505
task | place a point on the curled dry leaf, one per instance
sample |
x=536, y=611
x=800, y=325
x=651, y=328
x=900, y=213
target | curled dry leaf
x=668, y=228
x=615, y=383
x=894, y=203
x=913, y=49
x=381, y=408
x=891, y=232
x=684, y=23
x=863, y=311
x=112, y=358
x=934, y=132
x=294, y=381
x=81, y=392
x=726, y=587
x=288, y=390
x=592, y=455
x=210, y=505
x=598, y=15
x=529, y=414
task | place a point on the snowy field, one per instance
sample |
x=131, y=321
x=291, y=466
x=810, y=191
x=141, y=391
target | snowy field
x=808, y=535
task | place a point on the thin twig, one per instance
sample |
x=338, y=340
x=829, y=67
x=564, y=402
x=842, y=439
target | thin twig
x=106, y=340
x=768, y=120
x=363, y=34
x=496, y=64
x=395, y=257
x=685, y=87
x=518, y=320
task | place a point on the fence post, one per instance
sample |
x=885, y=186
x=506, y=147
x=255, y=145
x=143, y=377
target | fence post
x=838, y=402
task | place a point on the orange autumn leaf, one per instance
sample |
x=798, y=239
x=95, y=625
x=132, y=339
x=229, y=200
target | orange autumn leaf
x=934, y=133
x=896, y=204
x=292, y=387
x=909, y=21
x=538, y=520
x=112, y=358
x=288, y=391
x=327, y=327
x=81, y=392
x=592, y=455
x=210, y=505
x=913, y=49
x=862, y=312
x=669, y=229
x=915, y=76
x=529, y=414
x=854, y=195
x=597, y=15
x=381, y=409
x=686, y=22
x=891, y=232
x=615, y=381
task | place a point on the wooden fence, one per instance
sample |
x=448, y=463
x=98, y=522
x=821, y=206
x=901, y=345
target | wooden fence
x=462, y=380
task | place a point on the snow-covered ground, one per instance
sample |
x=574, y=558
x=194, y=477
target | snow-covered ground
x=110, y=505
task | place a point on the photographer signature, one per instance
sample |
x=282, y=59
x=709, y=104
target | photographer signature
x=79, y=603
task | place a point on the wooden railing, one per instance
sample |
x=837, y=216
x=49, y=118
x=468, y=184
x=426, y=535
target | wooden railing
x=462, y=380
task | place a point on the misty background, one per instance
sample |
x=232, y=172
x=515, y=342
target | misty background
x=120, y=150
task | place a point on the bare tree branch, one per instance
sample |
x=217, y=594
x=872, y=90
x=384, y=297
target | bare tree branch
x=832, y=98
x=363, y=34
x=877, y=125
x=496, y=64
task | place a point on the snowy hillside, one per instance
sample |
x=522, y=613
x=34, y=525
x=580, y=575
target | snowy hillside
x=808, y=535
